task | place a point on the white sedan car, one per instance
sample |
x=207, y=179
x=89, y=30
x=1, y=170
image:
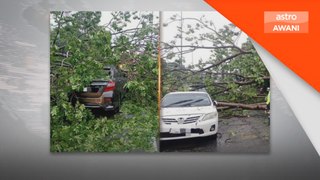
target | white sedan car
x=187, y=115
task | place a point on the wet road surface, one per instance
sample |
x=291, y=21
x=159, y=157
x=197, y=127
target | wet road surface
x=235, y=135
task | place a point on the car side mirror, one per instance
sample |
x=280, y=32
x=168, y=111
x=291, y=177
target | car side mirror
x=215, y=103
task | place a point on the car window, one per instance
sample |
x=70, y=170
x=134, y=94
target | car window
x=186, y=100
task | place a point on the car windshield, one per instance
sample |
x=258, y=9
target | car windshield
x=186, y=100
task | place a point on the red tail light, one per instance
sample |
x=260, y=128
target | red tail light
x=110, y=86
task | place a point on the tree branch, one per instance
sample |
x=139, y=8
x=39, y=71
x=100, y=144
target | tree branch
x=58, y=29
x=257, y=106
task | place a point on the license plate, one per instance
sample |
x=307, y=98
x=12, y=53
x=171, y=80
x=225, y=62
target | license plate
x=182, y=130
x=175, y=131
x=85, y=89
x=188, y=132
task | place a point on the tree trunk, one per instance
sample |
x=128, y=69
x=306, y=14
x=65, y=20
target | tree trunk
x=257, y=106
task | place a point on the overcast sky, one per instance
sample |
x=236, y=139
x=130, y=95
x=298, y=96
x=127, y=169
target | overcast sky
x=171, y=30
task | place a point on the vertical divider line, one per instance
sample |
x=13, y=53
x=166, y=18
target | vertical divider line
x=159, y=68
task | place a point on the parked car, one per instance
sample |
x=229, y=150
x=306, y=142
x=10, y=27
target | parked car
x=188, y=115
x=106, y=94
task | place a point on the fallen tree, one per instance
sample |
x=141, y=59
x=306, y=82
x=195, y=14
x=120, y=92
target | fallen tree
x=227, y=105
x=233, y=74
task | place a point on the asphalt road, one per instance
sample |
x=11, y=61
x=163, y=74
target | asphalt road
x=235, y=135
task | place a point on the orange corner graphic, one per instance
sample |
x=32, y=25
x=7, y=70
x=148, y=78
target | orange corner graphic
x=295, y=46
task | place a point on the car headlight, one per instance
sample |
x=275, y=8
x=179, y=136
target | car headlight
x=209, y=116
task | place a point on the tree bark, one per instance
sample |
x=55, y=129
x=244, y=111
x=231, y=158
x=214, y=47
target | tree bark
x=257, y=106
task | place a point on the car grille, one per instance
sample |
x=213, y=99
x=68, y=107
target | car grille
x=188, y=120
x=169, y=120
x=191, y=119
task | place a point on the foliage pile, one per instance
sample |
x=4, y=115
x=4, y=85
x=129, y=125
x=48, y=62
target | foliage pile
x=80, y=48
